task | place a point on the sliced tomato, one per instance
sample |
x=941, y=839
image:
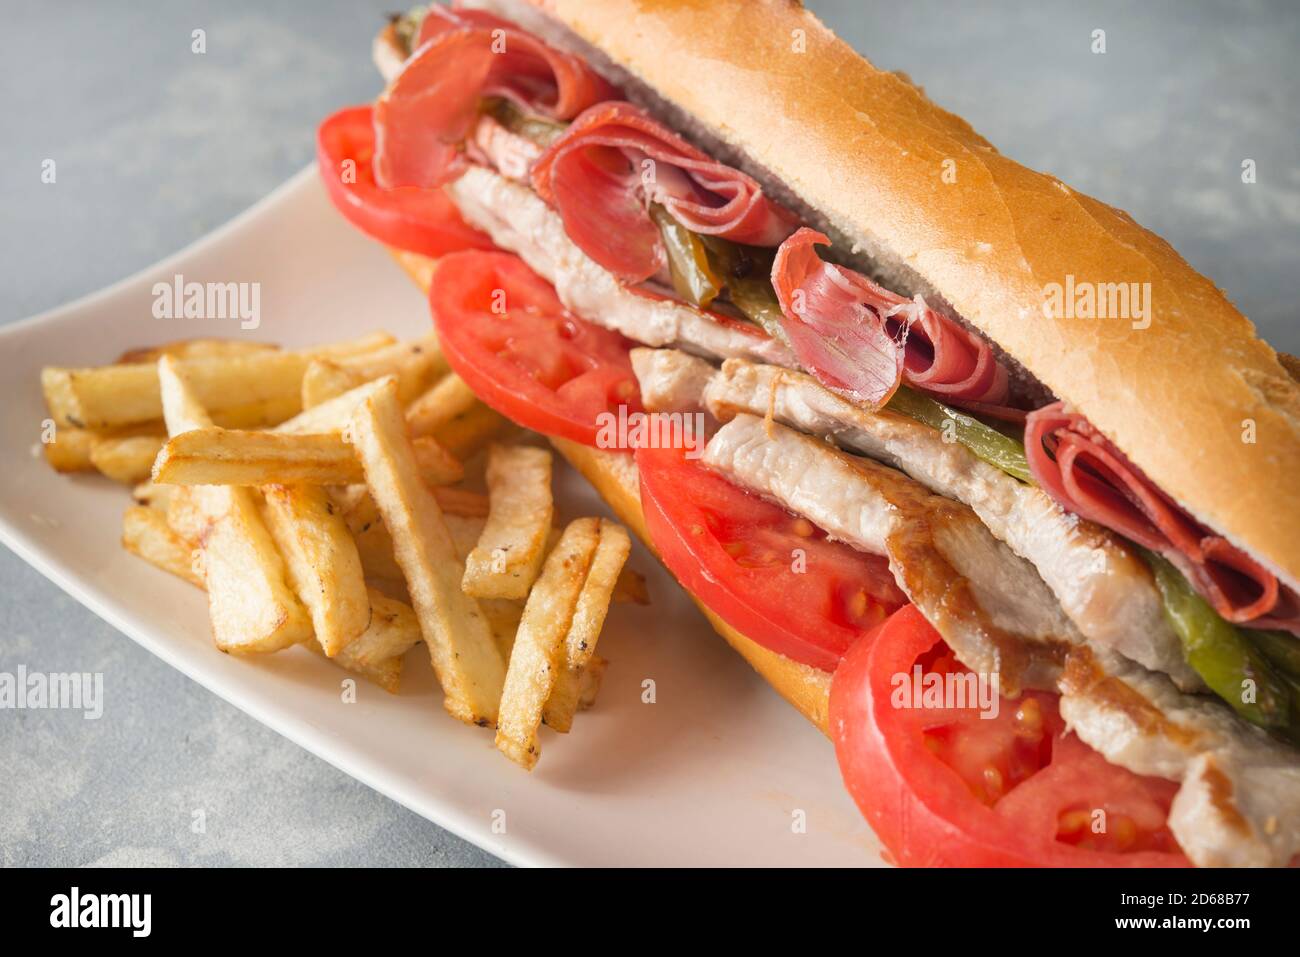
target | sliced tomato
x=420, y=220
x=506, y=333
x=943, y=786
x=771, y=575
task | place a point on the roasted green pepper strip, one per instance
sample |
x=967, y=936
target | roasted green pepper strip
x=406, y=27
x=984, y=441
x=1220, y=653
x=538, y=129
x=688, y=261
x=1280, y=647
x=747, y=273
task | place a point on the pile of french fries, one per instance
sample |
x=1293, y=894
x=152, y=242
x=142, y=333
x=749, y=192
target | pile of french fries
x=324, y=498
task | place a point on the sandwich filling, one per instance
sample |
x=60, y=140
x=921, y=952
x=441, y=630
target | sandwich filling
x=1033, y=545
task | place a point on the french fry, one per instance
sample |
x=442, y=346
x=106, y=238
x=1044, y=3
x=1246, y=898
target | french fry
x=471, y=431
x=330, y=417
x=152, y=496
x=185, y=515
x=128, y=459
x=437, y=465
x=387, y=674
x=460, y=501
x=145, y=532
x=448, y=398
x=70, y=451
x=538, y=651
x=214, y=456
x=588, y=620
x=631, y=588
x=193, y=349
x=591, y=679
x=374, y=544
x=321, y=560
x=233, y=457
x=417, y=365
x=375, y=655
x=117, y=395
x=326, y=379
x=461, y=646
x=370, y=342
x=260, y=414
x=250, y=604
x=393, y=630
x=508, y=556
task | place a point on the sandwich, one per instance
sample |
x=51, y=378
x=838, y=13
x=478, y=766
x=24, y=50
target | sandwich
x=978, y=473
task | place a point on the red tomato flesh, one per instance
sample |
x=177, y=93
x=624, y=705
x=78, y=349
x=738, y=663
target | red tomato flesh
x=419, y=220
x=506, y=333
x=943, y=786
x=771, y=575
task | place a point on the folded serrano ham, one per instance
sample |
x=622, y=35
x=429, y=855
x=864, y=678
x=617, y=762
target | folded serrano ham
x=463, y=56
x=860, y=338
x=614, y=160
x=1084, y=472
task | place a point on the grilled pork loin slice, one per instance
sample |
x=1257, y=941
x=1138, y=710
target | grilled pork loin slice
x=988, y=603
x=1239, y=803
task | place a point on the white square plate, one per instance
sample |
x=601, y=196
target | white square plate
x=712, y=773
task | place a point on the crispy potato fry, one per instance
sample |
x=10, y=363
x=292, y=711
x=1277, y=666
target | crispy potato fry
x=591, y=678
x=233, y=457
x=330, y=417
x=375, y=655
x=152, y=496
x=250, y=603
x=386, y=673
x=326, y=379
x=461, y=646
x=322, y=561
x=145, y=533
x=538, y=652
x=393, y=630
x=588, y=620
x=252, y=608
x=70, y=451
x=128, y=459
x=194, y=349
x=417, y=365
x=370, y=342
x=433, y=410
x=631, y=587
x=460, y=501
x=507, y=558
x=118, y=395
x=437, y=465
x=261, y=414
x=374, y=544
x=472, y=431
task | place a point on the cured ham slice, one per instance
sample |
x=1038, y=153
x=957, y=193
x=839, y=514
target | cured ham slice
x=1087, y=475
x=615, y=159
x=428, y=110
x=862, y=340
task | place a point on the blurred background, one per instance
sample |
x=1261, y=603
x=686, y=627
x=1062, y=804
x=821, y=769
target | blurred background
x=156, y=145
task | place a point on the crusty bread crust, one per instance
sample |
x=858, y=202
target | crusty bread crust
x=1196, y=399
x=614, y=476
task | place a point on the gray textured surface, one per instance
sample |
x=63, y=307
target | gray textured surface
x=155, y=146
